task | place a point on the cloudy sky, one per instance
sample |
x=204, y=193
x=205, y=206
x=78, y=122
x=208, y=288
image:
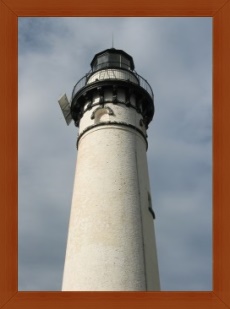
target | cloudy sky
x=175, y=56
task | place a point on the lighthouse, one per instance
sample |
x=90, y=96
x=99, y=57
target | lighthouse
x=111, y=240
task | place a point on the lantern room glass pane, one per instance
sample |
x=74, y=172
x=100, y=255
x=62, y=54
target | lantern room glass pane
x=125, y=63
x=102, y=59
x=114, y=60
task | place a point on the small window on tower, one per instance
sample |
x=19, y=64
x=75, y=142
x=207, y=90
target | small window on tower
x=101, y=115
x=150, y=206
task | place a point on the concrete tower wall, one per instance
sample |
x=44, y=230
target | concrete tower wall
x=111, y=241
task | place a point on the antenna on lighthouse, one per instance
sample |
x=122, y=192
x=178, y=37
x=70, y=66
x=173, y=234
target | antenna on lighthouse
x=65, y=107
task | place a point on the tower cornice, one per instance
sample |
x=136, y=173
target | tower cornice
x=144, y=99
x=112, y=123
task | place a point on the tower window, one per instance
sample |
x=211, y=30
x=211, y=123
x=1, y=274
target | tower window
x=150, y=206
x=101, y=115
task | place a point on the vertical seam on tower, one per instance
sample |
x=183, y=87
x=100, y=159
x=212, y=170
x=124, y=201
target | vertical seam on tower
x=142, y=232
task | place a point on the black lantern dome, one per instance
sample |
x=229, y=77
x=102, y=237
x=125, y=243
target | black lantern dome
x=112, y=58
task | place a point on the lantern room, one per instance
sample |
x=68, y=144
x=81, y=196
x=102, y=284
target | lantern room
x=112, y=58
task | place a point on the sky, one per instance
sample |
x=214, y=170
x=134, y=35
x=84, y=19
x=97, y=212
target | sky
x=175, y=56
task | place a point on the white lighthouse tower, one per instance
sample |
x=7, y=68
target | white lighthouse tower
x=111, y=241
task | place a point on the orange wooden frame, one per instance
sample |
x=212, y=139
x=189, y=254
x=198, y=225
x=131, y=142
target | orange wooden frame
x=10, y=298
